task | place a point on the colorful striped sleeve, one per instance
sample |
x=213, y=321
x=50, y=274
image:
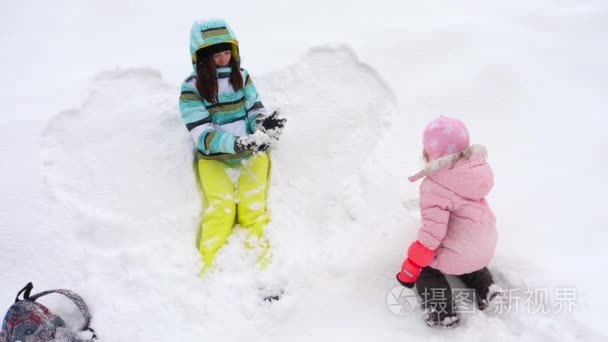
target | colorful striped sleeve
x=253, y=102
x=198, y=122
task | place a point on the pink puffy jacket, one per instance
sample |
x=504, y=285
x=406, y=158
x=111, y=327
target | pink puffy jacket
x=457, y=221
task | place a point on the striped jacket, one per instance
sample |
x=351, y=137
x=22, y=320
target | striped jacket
x=215, y=127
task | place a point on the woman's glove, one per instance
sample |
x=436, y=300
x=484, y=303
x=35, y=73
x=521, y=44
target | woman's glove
x=272, y=125
x=253, y=142
x=418, y=257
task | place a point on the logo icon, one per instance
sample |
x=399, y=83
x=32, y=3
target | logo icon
x=401, y=300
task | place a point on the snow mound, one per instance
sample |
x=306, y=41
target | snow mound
x=122, y=164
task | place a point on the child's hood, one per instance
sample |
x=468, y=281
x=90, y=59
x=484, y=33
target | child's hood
x=210, y=32
x=470, y=176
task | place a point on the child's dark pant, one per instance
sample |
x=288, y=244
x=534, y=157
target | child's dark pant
x=435, y=291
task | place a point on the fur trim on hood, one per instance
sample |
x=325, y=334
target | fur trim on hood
x=449, y=161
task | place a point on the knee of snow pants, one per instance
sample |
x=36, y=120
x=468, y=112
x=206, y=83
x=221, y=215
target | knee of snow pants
x=252, y=188
x=252, y=204
x=219, y=216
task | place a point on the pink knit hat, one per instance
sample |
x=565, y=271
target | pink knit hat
x=445, y=136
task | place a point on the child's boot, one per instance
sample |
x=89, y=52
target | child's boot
x=494, y=293
x=433, y=317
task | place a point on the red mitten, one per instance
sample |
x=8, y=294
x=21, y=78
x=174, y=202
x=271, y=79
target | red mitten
x=418, y=257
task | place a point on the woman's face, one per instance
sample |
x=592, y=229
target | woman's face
x=222, y=59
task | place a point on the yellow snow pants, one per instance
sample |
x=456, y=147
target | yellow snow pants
x=234, y=193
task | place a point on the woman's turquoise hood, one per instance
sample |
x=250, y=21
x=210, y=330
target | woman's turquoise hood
x=209, y=32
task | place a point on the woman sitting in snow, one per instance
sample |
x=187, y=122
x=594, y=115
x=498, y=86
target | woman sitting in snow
x=458, y=234
x=231, y=129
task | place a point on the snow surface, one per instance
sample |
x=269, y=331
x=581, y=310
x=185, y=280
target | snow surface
x=99, y=192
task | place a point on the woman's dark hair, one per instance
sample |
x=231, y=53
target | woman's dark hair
x=206, y=75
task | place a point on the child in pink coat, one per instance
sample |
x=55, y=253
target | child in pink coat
x=458, y=233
